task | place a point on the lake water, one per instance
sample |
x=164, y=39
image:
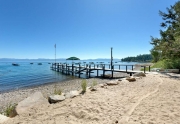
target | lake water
x=27, y=75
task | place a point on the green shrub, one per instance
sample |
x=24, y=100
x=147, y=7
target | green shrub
x=57, y=91
x=167, y=64
x=84, y=85
x=9, y=109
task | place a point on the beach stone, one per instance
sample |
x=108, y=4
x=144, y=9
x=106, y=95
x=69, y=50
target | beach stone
x=101, y=85
x=138, y=77
x=72, y=94
x=93, y=89
x=31, y=101
x=140, y=74
x=67, y=95
x=3, y=118
x=106, y=76
x=112, y=83
x=56, y=98
x=130, y=79
x=121, y=79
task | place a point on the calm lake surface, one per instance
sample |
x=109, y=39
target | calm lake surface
x=27, y=75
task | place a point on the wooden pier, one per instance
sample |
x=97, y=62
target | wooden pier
x=78, y=69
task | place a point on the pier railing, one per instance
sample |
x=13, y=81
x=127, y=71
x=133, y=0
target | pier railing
x=79, y=68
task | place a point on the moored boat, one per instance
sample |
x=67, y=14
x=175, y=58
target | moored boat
x=31, y=63
x=15, y=64
x=39, y=63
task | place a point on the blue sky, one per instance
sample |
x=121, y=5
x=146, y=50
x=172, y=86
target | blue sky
x=83, y=28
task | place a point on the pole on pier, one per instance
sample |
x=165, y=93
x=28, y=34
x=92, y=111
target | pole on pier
x=55, y=52
x=112, y=71
x=132, y=67
x=111, y=58
x=149, y=68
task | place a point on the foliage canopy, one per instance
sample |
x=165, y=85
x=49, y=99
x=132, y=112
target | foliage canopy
x=138, y=58
x=72, y=58
x=167, y=47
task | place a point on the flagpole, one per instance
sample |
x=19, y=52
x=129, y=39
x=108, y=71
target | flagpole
x=55, y=52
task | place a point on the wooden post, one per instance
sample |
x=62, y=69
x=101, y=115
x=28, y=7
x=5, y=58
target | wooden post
x=79, y=71
x=66, y=69
x=119, y=67
x=97, y=73
x=72, y=69
x=112, y=69
x=57, y=67
x=111, y=58
x=149, y=68
x=126, y=68
x=89, y=71
x=109, y=66
x=132, y=67
x=130, y=74
x=144, y=69
x=86, y=69
x=103, y=71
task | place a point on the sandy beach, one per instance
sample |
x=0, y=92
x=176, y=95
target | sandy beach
x=149, y=100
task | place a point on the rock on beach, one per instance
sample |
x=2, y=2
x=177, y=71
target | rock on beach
x=31, y=101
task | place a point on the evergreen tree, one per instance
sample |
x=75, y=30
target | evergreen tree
x=168, y=46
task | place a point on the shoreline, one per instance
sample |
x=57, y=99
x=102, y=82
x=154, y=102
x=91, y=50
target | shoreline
x=15, y=96
x=151, y=99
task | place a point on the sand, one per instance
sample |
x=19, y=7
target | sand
x=154, y=99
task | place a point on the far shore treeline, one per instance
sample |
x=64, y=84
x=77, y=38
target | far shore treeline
x=166, y=49
x=138, y=58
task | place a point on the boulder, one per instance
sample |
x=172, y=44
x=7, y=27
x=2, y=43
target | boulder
x=56, y=98
x=67, y=95
x=140, y=74
x=130, y=79
x=31, y=101
x=3, y=118
x=107, y=76
x=121, y=79
x=112, y=83
x=93, y=89
x=138, y=77
x=72, y=94
x=101, y=85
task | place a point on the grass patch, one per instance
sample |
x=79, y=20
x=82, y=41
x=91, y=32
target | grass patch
x=94, y=83
x=84, y=85
x=9, y=109
x=57, y=91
